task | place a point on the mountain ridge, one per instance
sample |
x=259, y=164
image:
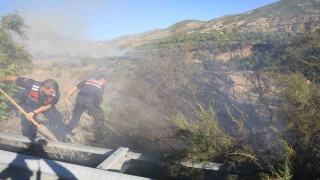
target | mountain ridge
x=292, y=16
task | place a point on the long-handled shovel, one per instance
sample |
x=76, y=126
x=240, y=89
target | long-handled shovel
x=44, y=130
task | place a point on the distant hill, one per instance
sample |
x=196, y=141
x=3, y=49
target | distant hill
x=286, y=16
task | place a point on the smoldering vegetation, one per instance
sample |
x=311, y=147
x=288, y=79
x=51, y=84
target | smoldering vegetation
x=142, y=94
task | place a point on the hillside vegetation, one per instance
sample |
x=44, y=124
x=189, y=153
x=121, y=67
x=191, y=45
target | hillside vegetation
x=276, y=51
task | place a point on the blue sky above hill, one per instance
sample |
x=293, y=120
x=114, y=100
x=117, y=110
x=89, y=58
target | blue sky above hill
x=101, y=20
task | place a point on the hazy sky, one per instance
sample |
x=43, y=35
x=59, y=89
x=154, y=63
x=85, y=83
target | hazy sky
x=108, y=19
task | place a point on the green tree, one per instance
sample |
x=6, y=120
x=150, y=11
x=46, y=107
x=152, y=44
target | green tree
x=14, y=59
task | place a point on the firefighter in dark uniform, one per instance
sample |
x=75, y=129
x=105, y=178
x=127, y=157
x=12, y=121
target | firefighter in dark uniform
x=40, y=97
x=89, y=98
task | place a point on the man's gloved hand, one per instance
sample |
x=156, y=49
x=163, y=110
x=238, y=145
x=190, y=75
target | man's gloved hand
x=30, y=115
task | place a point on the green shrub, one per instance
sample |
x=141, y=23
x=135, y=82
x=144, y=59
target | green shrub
x=205, y=141
x=208, y=142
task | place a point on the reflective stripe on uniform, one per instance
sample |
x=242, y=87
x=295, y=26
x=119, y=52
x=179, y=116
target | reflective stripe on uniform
x=35, y=88
x=94, y=82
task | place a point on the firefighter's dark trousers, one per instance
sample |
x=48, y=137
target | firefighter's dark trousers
x=56, y=124
x=87, y=103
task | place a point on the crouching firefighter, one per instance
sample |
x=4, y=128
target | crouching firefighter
x=40, y=97
x=89, y=98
